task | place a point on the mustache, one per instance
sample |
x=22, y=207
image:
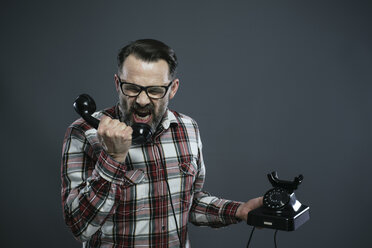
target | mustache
x=142, y=109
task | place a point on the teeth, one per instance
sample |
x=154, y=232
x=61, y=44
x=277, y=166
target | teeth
x=142, y=118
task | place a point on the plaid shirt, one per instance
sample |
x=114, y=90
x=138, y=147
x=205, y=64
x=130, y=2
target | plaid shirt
x=112, y=204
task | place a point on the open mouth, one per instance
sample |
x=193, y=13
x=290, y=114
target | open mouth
x=142, y=117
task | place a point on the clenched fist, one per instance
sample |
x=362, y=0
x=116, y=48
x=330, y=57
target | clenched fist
x=115, y=137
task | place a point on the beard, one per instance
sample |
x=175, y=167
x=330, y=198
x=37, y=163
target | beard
x=156, y=115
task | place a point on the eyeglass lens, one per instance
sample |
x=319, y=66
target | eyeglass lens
x=134, y=90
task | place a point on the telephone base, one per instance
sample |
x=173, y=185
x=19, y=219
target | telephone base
x=286, y=220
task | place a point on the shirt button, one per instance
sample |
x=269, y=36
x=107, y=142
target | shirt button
x=163, y=228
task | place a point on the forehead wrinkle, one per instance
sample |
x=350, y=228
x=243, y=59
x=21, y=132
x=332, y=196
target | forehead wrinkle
x=145, y=73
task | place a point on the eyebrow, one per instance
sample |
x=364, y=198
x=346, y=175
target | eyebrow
x=123, y=81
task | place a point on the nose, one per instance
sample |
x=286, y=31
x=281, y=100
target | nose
x=142, y=99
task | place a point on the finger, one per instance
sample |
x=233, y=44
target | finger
x=119, y=130
x=105, y=119
x=113, y=124
x=127, y=133
x=122, y=126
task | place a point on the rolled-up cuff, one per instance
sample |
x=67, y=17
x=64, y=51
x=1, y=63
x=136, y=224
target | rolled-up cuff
x=228, y=211
x=116, y=172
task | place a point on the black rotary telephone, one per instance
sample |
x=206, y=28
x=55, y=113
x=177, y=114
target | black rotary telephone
x=281, y=210
x=85, y=106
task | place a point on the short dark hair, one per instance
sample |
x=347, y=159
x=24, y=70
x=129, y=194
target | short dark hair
x=149, y=50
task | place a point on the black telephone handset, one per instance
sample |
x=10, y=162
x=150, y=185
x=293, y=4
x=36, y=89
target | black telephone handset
x=281, y=210
x=85, y=106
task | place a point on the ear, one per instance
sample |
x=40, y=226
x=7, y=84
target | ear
x=174, y=88
x=116, y=80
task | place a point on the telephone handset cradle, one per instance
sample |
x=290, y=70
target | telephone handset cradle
x=281, y=210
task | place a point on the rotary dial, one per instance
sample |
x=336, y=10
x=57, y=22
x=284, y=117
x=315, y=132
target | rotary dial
x=276, y=198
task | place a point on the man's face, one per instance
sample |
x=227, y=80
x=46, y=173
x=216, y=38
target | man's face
x=142, y=109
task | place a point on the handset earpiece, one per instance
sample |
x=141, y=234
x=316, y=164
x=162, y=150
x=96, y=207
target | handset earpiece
x=85, y=106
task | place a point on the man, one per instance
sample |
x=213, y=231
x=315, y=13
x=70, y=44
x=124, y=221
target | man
x=118, y=194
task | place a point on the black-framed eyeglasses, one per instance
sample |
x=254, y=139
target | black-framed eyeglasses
x=133, y=90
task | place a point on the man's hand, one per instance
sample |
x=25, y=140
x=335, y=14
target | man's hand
x=115, y=137
x=242, y=212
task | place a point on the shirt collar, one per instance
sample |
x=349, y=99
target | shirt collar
x=169, y=118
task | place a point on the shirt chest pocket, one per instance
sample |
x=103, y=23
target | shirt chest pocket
x=188, y=173
x=135, y=194
x=187, y=176
x=188, y=169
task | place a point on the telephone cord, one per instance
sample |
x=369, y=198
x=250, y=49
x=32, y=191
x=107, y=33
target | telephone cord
x=250, y=237
x=170, y=198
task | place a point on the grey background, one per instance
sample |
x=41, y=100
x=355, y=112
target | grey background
x=274, y=85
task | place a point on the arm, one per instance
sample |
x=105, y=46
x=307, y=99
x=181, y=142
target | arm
x=209, y=210
x=91, y=184
x=212, y=211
